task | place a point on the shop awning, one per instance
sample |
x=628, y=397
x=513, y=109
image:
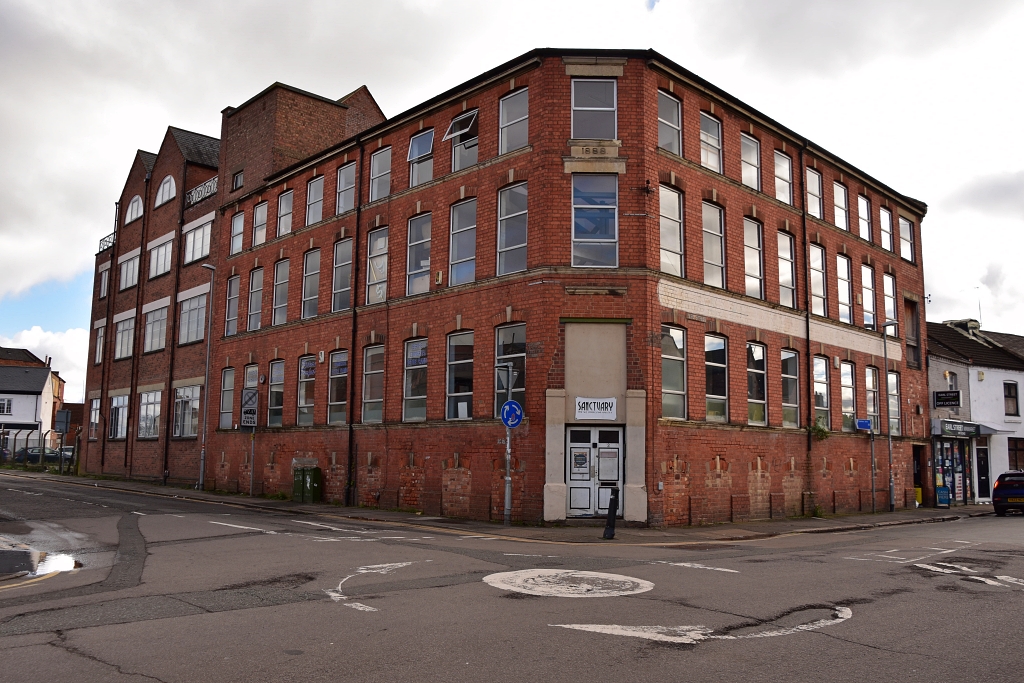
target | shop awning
x=964, y=430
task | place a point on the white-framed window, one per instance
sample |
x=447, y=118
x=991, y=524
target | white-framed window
x=750, y=161
x=377, y=266
x=514, y=121
x=310, y=283
x=337, y=390
x=783, y=178
x=593, y=109
x=280, y=303
x=341, y=287
x=512, y=219
x=460, y=376
x=871, y=396
x=118, y=417
x=104, y=283
x=417, y=266
x=790, y=389
x=595, y=215
x=193, y=319
x=670, y=126
x=237, y=228
x=251, y=379
x=94, y=419
x=906, y=240
x=275, y=394
x=380, y=174
x=894, y=403
x=129, y=273
x=753, y=259
x=819, y=304
x=197, y=242
x=124, y=338
x=284, y=212
x=159, y=260
x=156, y=330
x=99, y=345
x=255, y=299
x=867, y=289
x=259, y=223
x=414, y=396
x=814, y=205
x=885, y=228
x=673, y=372
x=165, y=192
x=231, y=307
x=840, y=203
x=710, y=143
x=716, y=380
x=346, y=197
x=307, y=391
x=714, y=245
x=462, y=252
x=227, y=398
x=671, y=209
x=237, y=180
x=315, y=200
x=820, y=366
x=5, y=406
x=864, y=217
x=421, y=158
x=510, y=347
x=787, y=270
x=844, y=285
x=186, y=412
x=373, y=384
x=757, y=390
x=847, y=393
x=463, y=132
x=889, y=299
x=134, y=210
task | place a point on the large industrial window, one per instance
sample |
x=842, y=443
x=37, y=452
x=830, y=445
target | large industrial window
x=231, y=307
x=814, y=206
x=460, y=376
x=714, y=245
x=867, y=293
x=462, y=253
x=124, y=338
x=894, y=404
x=275, y=394
x=337, y=391
x=159, y=260
x=156, y=330
x=885, y=227
x=130, y=272
x=149, y=414
x=104, y=282
x=512, y=215
x=753, y=264
x=790, y=388
x=906, y=240
x=94, y=419
x=414, y=403
x=346, y=197
x=315, y=200
x=671, y=207
x=710, y=143
x=783, y=178
x=673, y=372
x=310, y=283
x=514, y=121
x=787, y=270
x=197, y=243
x=716, y=383
x=889, y=297
x=237, y=228
x=463, y=132
x=871, y=396
x=165, y=192
x=750, y=161
x=377, y=266
x=280, y=304
x=421, y=158
x=595, y=240
x=307, y=391
x=593, y=109
x=757, y=402
x=818, y=302
x=99, y=344
x=840, y=203
x=380, y=174
x=418, y=263
x=844, y=283
x=373, y=384
x=670, y=129
x=846, y=395
x=864, y=216
x=821, y=392
x=341, y=298
x=284, y=213
x=227, y=398
x=259, y=224
x=510, y=347
x=255, y=299
x=192, y=322
x=186, y=412
x=118, y=417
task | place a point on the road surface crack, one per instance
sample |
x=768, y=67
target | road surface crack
x=62, y=644
x=873, y=647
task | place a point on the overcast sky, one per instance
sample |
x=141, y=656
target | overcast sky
x=922, y=94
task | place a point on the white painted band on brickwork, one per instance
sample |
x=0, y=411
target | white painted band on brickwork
x=154, y=305
x=130, y=255
x=160, y=240
x=191, y=382
x=149, y=387
x=202, y=220
x=195, y=291
x=119, y=392
x=102, y=322
x=103, y=266
x=124, y=315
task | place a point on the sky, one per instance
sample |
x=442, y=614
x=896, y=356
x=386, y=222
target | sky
x=923, y=95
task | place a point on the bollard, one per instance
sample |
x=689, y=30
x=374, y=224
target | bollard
x=613, y=509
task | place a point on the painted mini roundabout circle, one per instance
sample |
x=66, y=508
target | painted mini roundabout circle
x=567, y=583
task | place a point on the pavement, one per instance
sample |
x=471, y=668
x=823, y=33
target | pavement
x=584, y=531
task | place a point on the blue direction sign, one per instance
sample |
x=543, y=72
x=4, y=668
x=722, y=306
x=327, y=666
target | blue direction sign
x=863, y=424
x=511, y=414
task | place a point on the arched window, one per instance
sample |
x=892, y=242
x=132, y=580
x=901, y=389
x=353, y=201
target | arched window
x=134, y=209
x=166, y=192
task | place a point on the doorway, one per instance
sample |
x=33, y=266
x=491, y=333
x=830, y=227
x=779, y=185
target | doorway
x=594, y=466
x=984, y=483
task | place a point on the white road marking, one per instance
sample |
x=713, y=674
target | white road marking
x=521, y=555
x=694, y=565
x=141, y=514
x=485, y=538
x=361, y=607
x=566, y=583
x=247, y=528
x=957, y=566
x=696, y=634
x=27, y=493
x=983, y=579
x=885, y=556
x=337, y=596
x=933, y=568
x=1010, y=579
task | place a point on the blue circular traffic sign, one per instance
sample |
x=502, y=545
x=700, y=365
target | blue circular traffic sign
x=511, y=414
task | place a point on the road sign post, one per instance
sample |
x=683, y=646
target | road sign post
x=250, y=411
x=866, y=424
x=511, y=417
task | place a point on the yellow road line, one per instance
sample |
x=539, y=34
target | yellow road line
x=30, y=581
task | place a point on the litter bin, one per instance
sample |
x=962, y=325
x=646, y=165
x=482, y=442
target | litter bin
x=307, y=484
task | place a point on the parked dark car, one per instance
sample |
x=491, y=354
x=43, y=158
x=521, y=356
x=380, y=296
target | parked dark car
x=5, y=454
x=48, y=455
x=1008, y=492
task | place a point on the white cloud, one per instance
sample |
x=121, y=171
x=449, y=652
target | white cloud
x=69, y=350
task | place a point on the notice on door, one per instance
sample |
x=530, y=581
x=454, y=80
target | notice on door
x=595, y=409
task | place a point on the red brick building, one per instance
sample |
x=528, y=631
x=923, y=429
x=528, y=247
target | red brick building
x=682, y=285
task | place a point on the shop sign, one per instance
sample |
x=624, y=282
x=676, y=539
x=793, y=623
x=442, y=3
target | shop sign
x=962, y=429
x=942, y=497
x=946, y=399
x=595, y=408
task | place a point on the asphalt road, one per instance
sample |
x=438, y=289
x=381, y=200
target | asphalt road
x=179, y=590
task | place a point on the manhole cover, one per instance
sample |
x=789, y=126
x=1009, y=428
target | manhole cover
x=566, y=583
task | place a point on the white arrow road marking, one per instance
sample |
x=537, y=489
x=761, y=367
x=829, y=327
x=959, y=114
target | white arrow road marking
x=933, y=568
x=361, y=607
x=983, y=579
x=957, y=566
x=247, y=528
x=696, y=634
x=337, y=596
x=694, y=565
x=1010, y=579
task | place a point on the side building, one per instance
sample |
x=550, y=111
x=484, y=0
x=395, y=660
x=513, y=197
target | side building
x=31, y=393
x=681, y=286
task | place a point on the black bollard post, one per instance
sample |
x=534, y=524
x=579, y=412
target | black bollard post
x=613, y=509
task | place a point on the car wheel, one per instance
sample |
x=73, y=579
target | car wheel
x=1000, y=512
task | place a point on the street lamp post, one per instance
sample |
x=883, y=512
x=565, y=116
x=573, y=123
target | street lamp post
x=206, y=385
x=888, y=427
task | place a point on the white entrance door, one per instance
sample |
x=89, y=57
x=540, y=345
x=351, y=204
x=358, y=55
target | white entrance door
x=594, y=466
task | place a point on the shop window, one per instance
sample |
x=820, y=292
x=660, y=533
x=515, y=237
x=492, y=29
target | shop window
x=757, y=407
x=673, y=372
x=716, y=379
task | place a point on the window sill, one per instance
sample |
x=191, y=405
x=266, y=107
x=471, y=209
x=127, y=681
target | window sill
x=201, y=258
x=1012, y=420
x=190, y=343
x=151, y=352
x=148, y=438
x=159, y=275
x=184, y=438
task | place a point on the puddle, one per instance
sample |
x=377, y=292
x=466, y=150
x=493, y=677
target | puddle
x=57, y=563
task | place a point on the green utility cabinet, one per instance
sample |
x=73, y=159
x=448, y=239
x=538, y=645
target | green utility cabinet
x=307, y=484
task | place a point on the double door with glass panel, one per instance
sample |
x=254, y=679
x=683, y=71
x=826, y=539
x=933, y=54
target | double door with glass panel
x=594, y=466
